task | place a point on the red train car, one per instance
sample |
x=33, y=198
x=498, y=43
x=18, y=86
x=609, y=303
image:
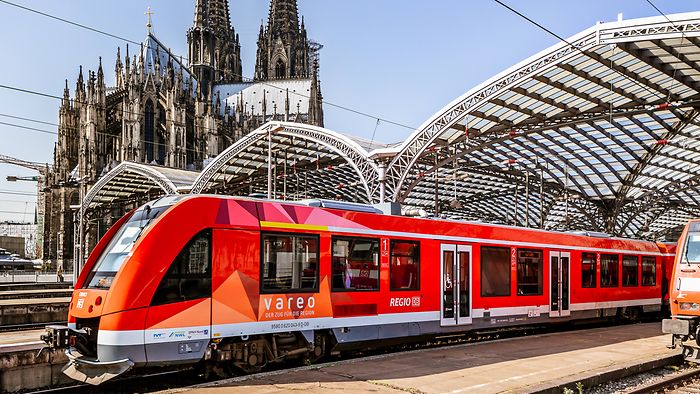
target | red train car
x=241, y=282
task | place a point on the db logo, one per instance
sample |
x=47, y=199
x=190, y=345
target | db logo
x=415, y=301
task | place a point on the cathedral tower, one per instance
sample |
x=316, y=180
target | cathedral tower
x=283, y=48
x=214, y=48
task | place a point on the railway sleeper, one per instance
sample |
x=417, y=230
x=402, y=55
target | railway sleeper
x=249, y=354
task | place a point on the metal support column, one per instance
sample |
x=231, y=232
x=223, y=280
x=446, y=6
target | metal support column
x=269, y=164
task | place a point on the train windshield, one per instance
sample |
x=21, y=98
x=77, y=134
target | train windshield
x=692, y=248
x=120, y=246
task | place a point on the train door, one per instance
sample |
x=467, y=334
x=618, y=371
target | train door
x=559, y=283
x=455, y=274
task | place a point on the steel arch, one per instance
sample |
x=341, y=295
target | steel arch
x=349, y=150
x=145, y=171
x=423, y=138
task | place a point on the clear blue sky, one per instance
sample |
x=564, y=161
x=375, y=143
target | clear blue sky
x=400, y=60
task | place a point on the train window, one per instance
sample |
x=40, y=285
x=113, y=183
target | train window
x=529, y=272
x=405, y=265
x=630, y=271
x=609, y=268
x=120, y=246
x=588, y=261
x=495, y=271
x=189, y=275
x=289, y=263
x=355, y=264
x=648, y=271
x=692, y=245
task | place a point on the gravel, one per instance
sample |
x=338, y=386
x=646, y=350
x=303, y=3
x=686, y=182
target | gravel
x=630, y=383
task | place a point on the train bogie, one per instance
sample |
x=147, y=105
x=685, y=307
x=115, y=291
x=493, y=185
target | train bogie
x=241, y=283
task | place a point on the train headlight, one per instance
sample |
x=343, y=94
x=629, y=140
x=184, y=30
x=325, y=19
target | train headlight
x=689, y=306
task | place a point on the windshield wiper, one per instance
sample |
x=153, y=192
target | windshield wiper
x=147, y=208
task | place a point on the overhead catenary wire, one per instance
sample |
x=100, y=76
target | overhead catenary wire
x=69, y=22
x=16, y=193
x=560, y=38
x=17, y=212
x=102, y=133
x=675, y=69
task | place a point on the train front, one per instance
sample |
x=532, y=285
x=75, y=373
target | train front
x=95, y=352
x=685, y=293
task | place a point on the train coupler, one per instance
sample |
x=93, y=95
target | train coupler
x=62, y=337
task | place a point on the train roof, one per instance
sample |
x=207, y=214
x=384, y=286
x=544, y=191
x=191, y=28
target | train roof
x=360, y=217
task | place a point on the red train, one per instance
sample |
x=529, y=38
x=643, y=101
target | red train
x=236, y=282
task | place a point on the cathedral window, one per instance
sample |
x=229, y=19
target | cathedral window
x=280, y=69
x=161, y=135
x=149, y=132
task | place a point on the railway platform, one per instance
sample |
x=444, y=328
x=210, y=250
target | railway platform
x=25, y=366
x=540, y=363
x=27, y=311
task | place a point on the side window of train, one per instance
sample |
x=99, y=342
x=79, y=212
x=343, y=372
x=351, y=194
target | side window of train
x=355, y=264
x=529, y=272
x=609, y=267
x=630, y=271
x=588, y=262
x=189, y=275
x=405, y=265
x=495, y=271
x=289, y=263
x=648, y=271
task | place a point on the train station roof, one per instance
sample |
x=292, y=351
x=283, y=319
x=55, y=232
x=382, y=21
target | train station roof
x=129, y=181
x=306, y=161
x=599, y=132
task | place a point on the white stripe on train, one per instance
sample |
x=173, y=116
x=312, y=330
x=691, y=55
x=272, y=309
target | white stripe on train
x=180, y=334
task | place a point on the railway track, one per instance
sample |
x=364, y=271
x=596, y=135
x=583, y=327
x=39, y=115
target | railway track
x=686, y=381
x=163, y=380
x=28, y=326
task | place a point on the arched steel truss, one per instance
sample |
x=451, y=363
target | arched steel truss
x=345, y=148
x=594, y=123
x=129, y=178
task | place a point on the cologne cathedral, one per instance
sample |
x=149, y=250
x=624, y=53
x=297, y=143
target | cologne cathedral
x=176, y=112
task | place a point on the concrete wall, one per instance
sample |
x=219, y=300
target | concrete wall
x=33, y=313
x=31, y=369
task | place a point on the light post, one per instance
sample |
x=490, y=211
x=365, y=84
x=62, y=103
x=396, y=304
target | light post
x=79, y=209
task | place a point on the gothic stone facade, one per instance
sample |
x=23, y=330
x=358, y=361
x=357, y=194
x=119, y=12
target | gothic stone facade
x=166, y=112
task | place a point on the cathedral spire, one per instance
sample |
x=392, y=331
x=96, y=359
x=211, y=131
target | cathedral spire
x=127, y=67
x=118, y=70
x=66, y=96
x=80, y=89
x=214, y=50
x=100, y=74
x=283, y=50
x=283, y=18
